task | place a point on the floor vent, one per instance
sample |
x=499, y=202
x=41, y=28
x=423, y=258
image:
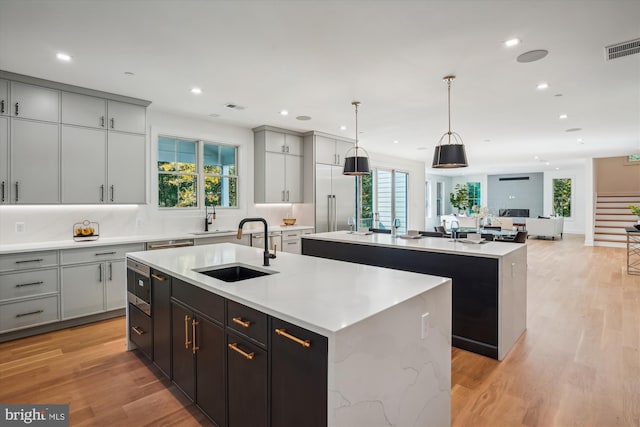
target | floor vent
x=620, y=50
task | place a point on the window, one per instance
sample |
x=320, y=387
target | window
x=181, y=169
x=439, y=199
x=427, y=198
x=562, y=194
x=474, y=195
x=385, y=193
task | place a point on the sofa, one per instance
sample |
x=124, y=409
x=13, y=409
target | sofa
x=545, y=227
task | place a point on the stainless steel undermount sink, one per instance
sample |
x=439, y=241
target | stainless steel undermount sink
x=234, y=272
x=203, y=233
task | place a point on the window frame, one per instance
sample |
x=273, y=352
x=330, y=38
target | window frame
x=200, y=173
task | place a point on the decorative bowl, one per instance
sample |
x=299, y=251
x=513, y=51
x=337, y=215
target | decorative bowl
x=289, y=221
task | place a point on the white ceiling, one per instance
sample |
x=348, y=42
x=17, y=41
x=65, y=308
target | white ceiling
x=315, y=57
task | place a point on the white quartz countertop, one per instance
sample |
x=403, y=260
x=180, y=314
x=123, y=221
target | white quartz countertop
x=322, y=295
x=106, y=241
x=428, y=244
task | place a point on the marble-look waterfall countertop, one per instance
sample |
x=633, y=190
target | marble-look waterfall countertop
x=121, y=240
x=429, y=244
x=322, y=295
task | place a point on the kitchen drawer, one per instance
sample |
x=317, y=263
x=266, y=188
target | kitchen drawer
x=28, y=260
x=98, y=253
x=247, y=321
x=32, y=312
x=205, y=302
x=292, y=246
x=290, y=235
x=140, y=330
x=28, y=283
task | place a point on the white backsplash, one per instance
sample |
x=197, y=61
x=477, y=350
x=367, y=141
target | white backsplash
x=55, y=222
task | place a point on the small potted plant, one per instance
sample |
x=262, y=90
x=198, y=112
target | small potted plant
x=636, y=211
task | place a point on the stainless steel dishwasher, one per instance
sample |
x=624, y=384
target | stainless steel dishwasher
x=166, y=244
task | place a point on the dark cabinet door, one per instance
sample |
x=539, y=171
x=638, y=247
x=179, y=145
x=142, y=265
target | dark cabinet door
x=247, y=366
x=183, y=365
x=210, y=369
x=298, y=376
x=161, y=315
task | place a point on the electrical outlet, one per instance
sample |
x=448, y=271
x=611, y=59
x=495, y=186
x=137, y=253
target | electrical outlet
x=425, y=325
x=20, y=227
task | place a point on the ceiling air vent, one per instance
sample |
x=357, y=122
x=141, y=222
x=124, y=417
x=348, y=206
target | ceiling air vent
x=619, y=50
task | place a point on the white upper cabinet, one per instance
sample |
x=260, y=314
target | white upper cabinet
x=330, y=151
x=126, y=174
x=84, y=153
x=35, y=163
x=4, y=97
x=4, y=160
x=83, y=110
x=277, y=142
x=34, y=102
x=125, y=117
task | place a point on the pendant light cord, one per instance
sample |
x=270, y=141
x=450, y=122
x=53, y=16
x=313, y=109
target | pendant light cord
x=356, y=103
x=449, y=78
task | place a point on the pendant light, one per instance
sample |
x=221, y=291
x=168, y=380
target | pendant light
x=450, y=155
x=354, y=163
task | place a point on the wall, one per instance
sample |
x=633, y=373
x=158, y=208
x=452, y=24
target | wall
x=516, y=194
x=55, y=222
x=416, y=184
x=616, y=175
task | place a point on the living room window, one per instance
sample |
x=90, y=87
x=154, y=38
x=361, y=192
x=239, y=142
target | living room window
x=474, y=195
x=183, y=164
x=562, y=196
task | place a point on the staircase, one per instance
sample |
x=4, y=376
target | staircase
x=612, y=215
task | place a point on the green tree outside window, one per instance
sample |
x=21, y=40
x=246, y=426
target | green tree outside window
x=562, y=188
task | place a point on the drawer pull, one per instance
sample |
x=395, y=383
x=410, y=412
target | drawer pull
x=106, y=253
x=283, y=332
x=30, y=313
x=159, y=278
x=29, y=260
x=239, y=321
x=234, y=347
x=195, y=347
x=137, y=330
x=186, y=331
x=292, y=243
x=22, y=285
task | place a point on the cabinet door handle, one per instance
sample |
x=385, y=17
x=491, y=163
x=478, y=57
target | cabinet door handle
x=24, y=261
x=335, y=159
x=283, y=195
x=234, y=346
x=239, y=321
x=2, y=106
x=159, y=278
x=283, y=332
x=292, y=243
x=102, y=121
x=30, y=313
x=105, y=253
x=3, y=191
x=22, y=285
x=16, y=191
x=102, y=193
x=113, y=192
x=137, y=330
x=17, y=108
x=113, y=122
x=186, y=331
x=99, y=272
x=287, y=148
x=195, y=347
x=111, y=272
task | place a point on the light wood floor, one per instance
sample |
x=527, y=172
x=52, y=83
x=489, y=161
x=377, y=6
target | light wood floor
x=578, y=364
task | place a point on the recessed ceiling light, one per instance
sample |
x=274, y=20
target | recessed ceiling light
x=581, y=141
x=547, y=163
x=542, y=86
x=557, y=169
x=532, y=55
x=303, y=118
x=512, y=42
x=395, y=141
x=343, y=127
x=563, y=116
x=284, y=113
x=536, y=158
x=196, y=90
x=63, y=57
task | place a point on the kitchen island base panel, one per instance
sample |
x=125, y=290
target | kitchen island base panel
x=412, y=383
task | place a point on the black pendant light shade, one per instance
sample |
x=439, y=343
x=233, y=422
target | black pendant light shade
x=450, y=154
x=355, y=163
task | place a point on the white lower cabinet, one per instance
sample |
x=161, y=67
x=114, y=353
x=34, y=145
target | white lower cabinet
x=116, y=285
x=82, y=290
x=27, y=313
